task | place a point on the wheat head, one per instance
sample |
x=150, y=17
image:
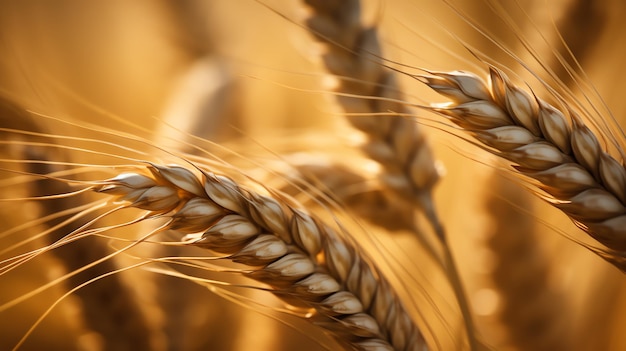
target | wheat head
x=122, y=325
x=306, y=263
x=368, y=89
x=566, y=160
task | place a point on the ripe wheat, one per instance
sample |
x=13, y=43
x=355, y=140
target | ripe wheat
x=318, y=270
x=307, y=263
x=120, y=326
x=581, y=179
x=367, y=89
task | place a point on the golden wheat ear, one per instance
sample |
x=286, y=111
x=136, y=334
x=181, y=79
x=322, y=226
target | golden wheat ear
x=369, y=93
x=553, y=147
x=367, y=90
x=303, y=261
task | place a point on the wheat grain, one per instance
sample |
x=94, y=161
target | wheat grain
x=582, y=179
x=305, y=262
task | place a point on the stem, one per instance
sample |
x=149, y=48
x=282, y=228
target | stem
x=459, y=291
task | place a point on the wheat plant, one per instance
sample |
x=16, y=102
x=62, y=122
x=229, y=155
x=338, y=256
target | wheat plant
x=313, y=175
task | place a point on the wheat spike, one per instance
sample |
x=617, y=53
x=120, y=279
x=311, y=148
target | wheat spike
x=533, y=312
x=109, y=309
x=306, y=263
x=350, y=185
x=396, y=142
x=582, y=179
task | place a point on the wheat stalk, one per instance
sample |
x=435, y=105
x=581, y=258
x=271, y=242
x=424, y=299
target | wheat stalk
x=396, y=142
x=306, y=263
x=567, y=161
x=110, y=308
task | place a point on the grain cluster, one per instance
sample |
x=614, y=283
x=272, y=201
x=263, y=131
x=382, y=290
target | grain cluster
x=553, y=147
x=305, y=262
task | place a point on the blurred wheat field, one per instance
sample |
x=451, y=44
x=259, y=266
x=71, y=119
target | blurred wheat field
x=247, y=76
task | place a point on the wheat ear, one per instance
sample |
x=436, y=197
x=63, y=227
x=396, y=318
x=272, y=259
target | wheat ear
x=397, y=143
x=330, y=181
x=567, y=161
x=306, y=263
x=367, y=87
x=109, y=308
x=534, y=314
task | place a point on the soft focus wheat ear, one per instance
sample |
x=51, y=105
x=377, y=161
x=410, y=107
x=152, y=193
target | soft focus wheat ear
x=109, y=308
x=396, y=142
x=533, y=312
x=333, y=182
x=306, y=263
x=565, y=158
